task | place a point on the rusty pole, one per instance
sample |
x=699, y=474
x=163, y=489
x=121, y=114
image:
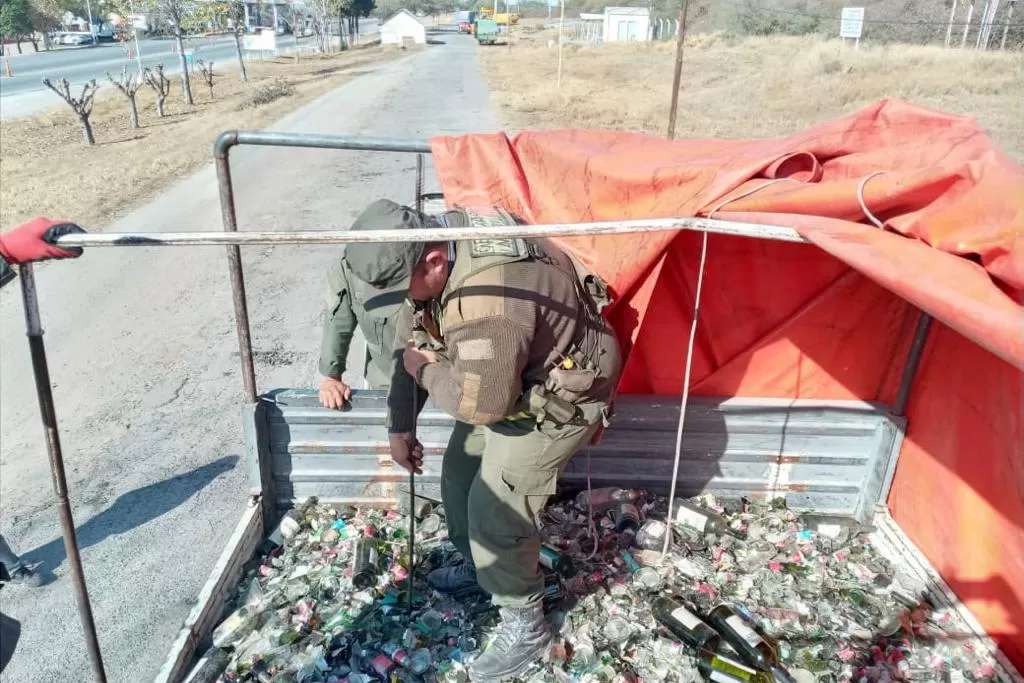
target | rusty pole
x=48, y=414
x=678, y=75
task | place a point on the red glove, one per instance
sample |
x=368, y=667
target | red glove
x=36, y=241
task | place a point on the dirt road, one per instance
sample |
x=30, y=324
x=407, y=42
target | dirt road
x=146, y=376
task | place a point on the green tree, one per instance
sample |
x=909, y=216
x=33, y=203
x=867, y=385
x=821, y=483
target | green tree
x=15, y=20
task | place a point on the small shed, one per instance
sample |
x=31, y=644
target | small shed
x=403, y=27
x=623, y=24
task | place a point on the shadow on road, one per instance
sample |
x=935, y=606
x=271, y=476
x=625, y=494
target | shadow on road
x=131, y=510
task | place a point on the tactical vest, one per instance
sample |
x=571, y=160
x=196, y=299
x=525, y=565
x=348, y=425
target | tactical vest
x=569, y=374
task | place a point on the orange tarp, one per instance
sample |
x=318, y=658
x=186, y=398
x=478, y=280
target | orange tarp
x=832, y=319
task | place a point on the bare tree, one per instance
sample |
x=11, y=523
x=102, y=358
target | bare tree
x=206, y=70
x=81, y=105
x=128, y=84
x=179, y=12
x=237, y=16
x=156, y=79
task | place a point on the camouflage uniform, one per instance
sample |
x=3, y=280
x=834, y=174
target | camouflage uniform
x=351, y=302
x=528, y=368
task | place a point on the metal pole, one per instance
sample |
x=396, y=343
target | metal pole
x=677, y=76
x=433, y=234
x=227, y=210
x=135, y=34
x=924, y=324
x=88, y=10
x=60, y=485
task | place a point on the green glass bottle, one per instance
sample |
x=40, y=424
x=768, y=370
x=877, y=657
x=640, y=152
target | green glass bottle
x=755, y=649
x=684, y=624
x=722, y=669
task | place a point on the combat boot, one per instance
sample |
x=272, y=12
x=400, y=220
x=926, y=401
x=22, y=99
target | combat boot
x=522, y=637
x=457, y=579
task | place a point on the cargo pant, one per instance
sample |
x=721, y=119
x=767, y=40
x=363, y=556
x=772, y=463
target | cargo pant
x=495, y=480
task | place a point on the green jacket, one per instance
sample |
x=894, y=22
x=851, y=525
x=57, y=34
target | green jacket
x=350, y=302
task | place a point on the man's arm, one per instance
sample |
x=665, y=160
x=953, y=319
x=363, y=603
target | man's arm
x=479, y=378
x=401, y=419
x=339, y=323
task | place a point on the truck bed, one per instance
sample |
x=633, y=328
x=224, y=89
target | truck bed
x=833, y=457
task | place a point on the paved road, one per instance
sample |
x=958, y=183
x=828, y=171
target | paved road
x=24, y=94
x=144, y=364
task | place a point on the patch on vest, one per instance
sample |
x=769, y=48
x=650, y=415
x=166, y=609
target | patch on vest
x=497, y=247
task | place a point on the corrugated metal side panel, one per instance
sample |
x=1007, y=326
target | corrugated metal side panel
x=819, y=455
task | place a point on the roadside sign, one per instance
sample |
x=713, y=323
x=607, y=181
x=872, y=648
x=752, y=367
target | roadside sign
x=851, y=22
x=264, y=40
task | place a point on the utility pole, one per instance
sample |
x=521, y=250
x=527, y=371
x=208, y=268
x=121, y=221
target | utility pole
x=135, y=34
x=678, y=74
x=92, y=33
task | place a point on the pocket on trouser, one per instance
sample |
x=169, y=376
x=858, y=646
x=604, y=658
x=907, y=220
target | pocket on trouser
x=504, y=506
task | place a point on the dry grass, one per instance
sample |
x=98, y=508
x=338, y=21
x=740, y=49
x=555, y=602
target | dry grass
x=747, y=88
x=46, y=169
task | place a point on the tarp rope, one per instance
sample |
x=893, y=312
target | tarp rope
x=863, y=204
x=689, y=361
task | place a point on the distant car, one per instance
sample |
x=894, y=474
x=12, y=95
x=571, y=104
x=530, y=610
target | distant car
x=76, y=39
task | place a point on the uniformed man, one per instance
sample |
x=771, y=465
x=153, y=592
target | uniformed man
x=351, y=303
x=508, y=339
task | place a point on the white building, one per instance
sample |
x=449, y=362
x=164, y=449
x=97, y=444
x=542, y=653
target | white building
x=402, y=28
x=626, y=23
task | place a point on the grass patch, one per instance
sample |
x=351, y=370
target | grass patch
x=47, y=170
x=747, y=87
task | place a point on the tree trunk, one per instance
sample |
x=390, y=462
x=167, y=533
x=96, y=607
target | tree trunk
x=341, y=29
x=241, y=59
x=35, y=42
x=211, y=91
x=159, y=106
x=186, y=86
x=87, y=129
x=135, y=111
x=18, y=41
x=46, y=41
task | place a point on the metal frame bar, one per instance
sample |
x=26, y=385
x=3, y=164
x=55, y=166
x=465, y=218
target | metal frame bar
x=924, y=325
x=48, y=413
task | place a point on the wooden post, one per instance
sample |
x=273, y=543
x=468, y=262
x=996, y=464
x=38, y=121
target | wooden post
x=949, y=29
x=678, y=75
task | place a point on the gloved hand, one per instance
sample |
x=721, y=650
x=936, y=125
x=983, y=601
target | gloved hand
x=36, y=241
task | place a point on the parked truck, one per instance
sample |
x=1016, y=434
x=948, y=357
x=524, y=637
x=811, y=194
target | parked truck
x=465, y=19
x=486, y=31
x=835, y=457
